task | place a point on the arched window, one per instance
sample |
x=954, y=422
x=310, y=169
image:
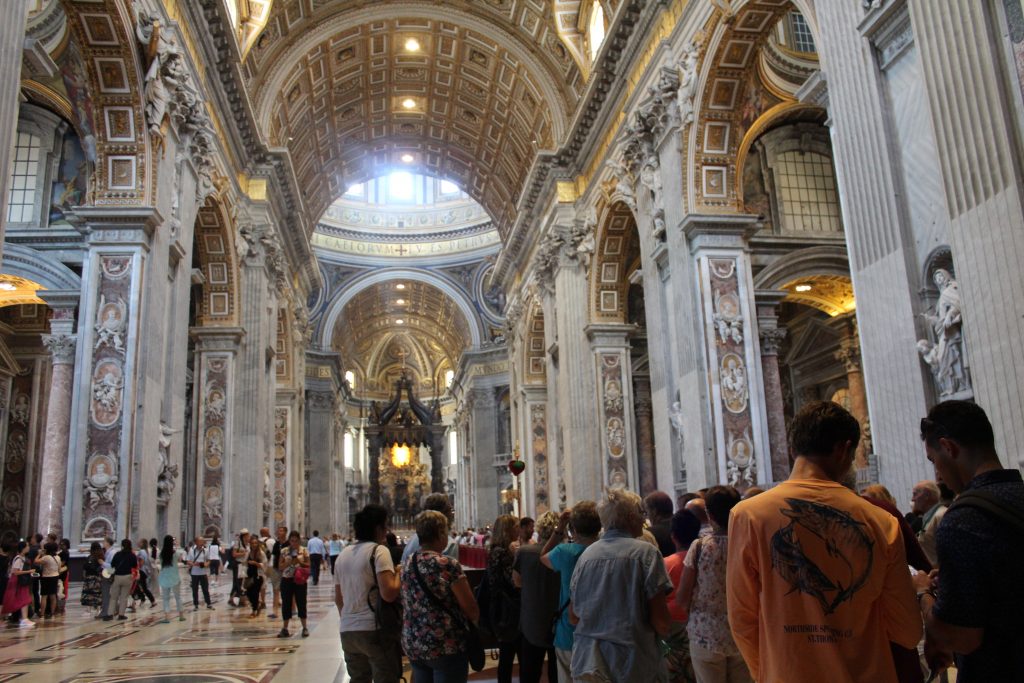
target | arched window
x=807, y=192
x=595, y=29
x=449, y=377
x=453, y=447
x=25, y=179
x=350, y=377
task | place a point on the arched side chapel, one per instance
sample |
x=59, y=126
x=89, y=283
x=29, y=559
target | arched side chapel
x=623, y=241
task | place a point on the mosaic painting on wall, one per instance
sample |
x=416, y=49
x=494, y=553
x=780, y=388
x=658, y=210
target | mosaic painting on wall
x=109, y=352
x=12, y=495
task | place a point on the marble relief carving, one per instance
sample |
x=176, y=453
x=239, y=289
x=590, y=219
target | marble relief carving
x=101, y=479
x=613, y=411
x=281, y=420
x=214, y=417
x=167, y=475
x=539, y=448
x=733, y=375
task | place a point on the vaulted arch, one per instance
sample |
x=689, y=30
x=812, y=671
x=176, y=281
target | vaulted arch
x=615, y=256
x=215, y=252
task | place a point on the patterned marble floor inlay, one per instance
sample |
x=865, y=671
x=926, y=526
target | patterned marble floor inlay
x=19, y=661
x=210, y=652
x=239, y=674
x=217, y=635
x=88, y=641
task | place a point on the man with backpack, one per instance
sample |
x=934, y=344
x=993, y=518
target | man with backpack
x=972, y=606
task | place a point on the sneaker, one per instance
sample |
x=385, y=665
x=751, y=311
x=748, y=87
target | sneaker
x=271, y=616
x=109, y=617
x=196, y=608
x=122, y=618
x=283, y=633
x=209, y=607
x=25, y=623
x=305, y=632
x=130, y=609
x=181, y=617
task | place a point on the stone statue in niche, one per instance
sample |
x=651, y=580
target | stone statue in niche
x=20, y=411
x=110, y=323
x=675, y=418
x=101, y=480
x=727, y=319
x=945, y=355
x=168, y=473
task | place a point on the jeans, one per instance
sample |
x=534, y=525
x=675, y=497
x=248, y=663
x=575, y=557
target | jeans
x=200, y=581
x=120, y=592
x=290, y=590
x=166, y=594
x=371, y=658
x=531, y=663
x=711, y=667
x=449, y=669
x=316, y=561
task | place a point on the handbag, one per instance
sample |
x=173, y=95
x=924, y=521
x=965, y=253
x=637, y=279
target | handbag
x=474, y=648
x=24, y=580
x=388, y=615
x=301, y=576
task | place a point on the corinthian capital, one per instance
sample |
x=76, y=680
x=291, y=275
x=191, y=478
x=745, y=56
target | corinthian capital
x=61, y=348
x=771, y=340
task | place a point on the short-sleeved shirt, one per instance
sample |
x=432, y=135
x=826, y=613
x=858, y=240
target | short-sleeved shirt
x=413, y=546
x=354, y=576
x=708, y=625
x=299, y=554
x=563, y=559
x=978, y=556
x=197, y=555
x=49, y=566
x=143, y=556
x=614, y=580
x=539, y=596
x=428, y=631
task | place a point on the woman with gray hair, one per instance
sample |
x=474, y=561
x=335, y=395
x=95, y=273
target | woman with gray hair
x=439, y=606
x=618, y=600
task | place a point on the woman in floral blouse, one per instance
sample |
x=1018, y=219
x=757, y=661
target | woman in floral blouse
x=438, y=605
x=714, y=654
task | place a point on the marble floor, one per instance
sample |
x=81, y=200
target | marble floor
x=218, y=646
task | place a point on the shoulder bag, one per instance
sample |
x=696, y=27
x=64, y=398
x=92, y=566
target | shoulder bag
x=986, y=502
x=388, y=615
x=474, y=648
x=301, y=575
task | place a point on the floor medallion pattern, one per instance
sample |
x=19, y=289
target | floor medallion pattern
x=210, y=652
x=243, y=674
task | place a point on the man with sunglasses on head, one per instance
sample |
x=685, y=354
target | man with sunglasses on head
x=973, y=606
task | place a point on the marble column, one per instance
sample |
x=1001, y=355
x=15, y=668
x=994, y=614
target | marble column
x=483, y=432
x=53, y=477
x=849, y=355
x=321, y=407
x=647, y=475
x=12, y=44
x=583, y=473
x=771, y=338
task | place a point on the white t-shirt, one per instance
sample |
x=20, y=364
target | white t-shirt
x=197, y=555
x=214, y=552
x=352, y=574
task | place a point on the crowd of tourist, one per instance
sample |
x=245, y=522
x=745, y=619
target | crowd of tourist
x=806, y=581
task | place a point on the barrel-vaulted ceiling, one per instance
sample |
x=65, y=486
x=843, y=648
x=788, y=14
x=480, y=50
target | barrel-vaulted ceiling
x=431, y=336
x=340, y=85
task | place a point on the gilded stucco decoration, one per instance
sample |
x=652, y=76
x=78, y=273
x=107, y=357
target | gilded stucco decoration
x=738, y=89
x=481, y=95
x=217, y=261
x=109, y=99
x=618, y=249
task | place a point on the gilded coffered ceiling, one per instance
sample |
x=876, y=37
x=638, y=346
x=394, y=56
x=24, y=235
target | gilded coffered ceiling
x=430, y=338
x=484, y=86
x=832, y=294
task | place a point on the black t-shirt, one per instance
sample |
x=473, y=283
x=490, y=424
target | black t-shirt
x=980, y=557
x=123, y=562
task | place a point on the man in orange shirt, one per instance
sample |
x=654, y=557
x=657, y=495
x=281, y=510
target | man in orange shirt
x=817, y=578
